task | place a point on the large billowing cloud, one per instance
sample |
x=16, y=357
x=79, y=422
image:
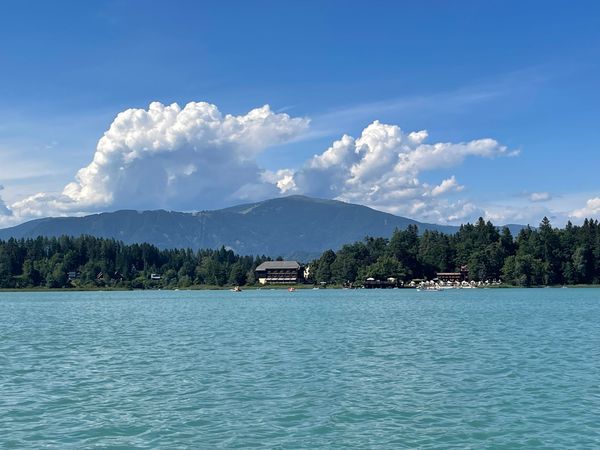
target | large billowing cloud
x=195, y=158
x=381, y=168
x=172, y=157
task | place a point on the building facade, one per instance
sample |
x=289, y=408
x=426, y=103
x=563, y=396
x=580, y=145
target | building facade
x=280, y=272
x=461, y=276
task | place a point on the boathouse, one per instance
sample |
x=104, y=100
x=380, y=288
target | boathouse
x=280, y=272
x=461, y=276
x=372, y=283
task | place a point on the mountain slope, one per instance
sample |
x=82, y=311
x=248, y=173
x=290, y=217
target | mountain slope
x=294, y=227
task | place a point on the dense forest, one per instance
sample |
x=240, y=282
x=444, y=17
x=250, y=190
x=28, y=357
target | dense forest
x=95, y=262
x=542, y=256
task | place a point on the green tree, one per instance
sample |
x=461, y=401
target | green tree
x=237, y=275
x=6, y=276
x=323, y=273
x=385, y=267
x=31, y=276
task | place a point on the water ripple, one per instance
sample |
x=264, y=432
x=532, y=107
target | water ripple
x=317, y=369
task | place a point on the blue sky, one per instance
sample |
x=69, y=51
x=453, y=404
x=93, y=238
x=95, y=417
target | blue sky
x=524, y=74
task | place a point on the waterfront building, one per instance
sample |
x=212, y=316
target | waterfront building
x=372, y=283
x=461, y=276
x=280, y=272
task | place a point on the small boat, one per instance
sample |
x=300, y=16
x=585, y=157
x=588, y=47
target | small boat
x=291, y=289
x=236, y=289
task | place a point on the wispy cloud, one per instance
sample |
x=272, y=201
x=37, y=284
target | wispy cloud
x=4, y=211
x=540, y=197
x=18, y=168
x=455, y=100
x=441, y=101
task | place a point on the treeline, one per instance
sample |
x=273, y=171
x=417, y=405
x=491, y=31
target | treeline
x=542, y=256
x=94, y=262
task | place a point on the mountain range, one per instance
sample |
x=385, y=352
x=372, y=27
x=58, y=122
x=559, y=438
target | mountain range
x=294, y=227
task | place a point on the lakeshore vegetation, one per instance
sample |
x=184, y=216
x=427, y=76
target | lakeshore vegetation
x=541, y=256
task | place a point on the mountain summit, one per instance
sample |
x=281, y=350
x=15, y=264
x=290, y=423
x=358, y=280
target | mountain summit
x=294, y=227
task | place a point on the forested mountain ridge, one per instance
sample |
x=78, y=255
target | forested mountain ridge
x=294, y=227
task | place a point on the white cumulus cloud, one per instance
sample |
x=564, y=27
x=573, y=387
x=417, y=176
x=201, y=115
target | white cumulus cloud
x=194, y=157
x=448, y=185
x=172, y=157
x=381, y=168
x=590, y=210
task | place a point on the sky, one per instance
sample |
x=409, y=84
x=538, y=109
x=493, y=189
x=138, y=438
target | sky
x=439, y=111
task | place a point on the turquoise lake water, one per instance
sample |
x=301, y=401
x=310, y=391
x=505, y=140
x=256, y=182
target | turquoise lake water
x=336, y=369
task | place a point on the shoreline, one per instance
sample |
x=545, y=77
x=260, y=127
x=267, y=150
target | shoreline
x=266, y=288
